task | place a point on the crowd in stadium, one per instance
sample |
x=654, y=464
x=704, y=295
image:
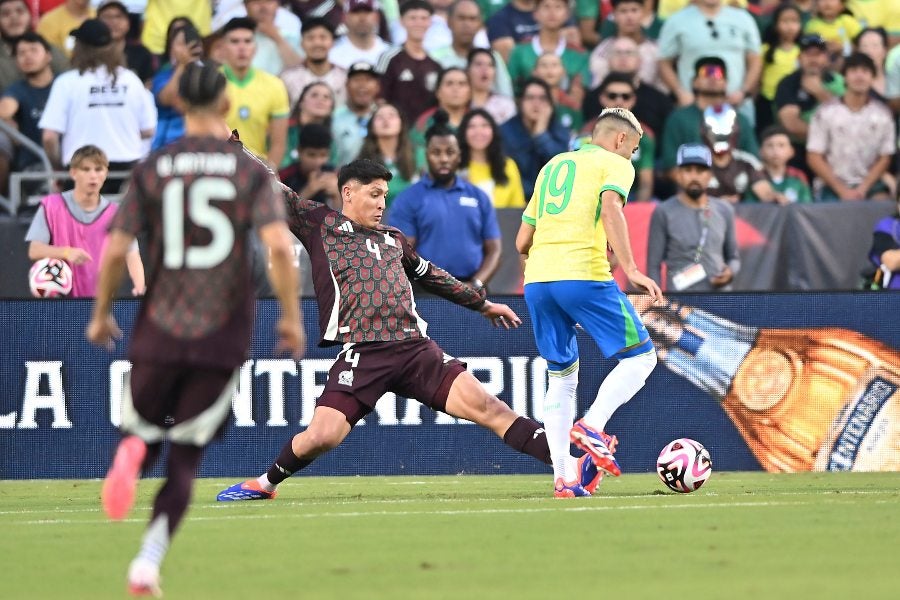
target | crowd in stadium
x=797, y=101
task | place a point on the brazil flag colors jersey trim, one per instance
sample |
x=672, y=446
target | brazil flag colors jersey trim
x=569, y=238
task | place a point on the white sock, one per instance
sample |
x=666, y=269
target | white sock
x=620, y=386
x=264, y=483
x=559, y=412
x=155, y=543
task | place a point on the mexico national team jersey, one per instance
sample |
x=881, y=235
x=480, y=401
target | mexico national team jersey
x=362, y=276
x=569, y=239
x=196, y=199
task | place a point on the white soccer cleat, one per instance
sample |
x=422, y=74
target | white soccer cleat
x=143, y=578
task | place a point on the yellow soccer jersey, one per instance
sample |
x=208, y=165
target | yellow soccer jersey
x=255, y=100
x=569, y=239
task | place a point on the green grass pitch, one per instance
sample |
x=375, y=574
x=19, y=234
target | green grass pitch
x=744, y=535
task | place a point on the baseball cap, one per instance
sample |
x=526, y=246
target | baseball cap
x=361, y=67
x=693, y=154
x=92, y=32
x=812, y=40
x=710, y=66
x=357, y=5
x=112, y=4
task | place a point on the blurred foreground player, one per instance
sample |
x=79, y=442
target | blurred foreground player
x=361, y=272
x=196, y=199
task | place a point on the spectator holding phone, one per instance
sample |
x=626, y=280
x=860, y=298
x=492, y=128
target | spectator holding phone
x=310, y=175
x=183, y=46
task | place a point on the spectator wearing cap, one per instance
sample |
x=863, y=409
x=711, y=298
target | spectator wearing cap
x=361, y=43
x=683, y=126
x=259, y=101
x=852, y=139
x=350, y=123
x=706, y=28
x=159, y=13
x=98, y=102
x=23, y=102
x=56, y=25
x=693, y=233
x=277, y=39
x=137, y=57
x=408, y=74
x=15, y=21
x=317, y=41
x=798, y=94
x=310, y=175
x=466, y=26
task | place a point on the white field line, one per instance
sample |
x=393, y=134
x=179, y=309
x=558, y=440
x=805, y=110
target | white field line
x=199, y=503
x=473, y=512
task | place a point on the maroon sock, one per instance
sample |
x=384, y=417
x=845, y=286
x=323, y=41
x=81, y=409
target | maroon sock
x=527, y=436
x=175, y=495
x=286, y=465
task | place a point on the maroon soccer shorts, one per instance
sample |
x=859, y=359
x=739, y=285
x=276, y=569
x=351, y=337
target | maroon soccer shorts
x=186, y=404
x=415, y=368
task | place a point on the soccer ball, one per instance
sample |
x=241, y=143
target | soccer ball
x=49, y=278
x=684, y=465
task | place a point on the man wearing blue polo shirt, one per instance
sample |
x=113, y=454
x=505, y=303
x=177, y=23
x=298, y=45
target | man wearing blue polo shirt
x=448, y=220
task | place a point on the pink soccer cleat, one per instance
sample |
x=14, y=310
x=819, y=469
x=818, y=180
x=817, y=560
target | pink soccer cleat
x=594, y=443
x=571, y=489
x=117, y=496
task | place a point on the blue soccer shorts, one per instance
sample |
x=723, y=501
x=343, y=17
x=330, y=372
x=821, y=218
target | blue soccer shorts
x=601, y=309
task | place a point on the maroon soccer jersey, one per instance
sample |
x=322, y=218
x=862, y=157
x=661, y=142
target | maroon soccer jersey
x=361, y=276
x=408, y=83
x=196, y=201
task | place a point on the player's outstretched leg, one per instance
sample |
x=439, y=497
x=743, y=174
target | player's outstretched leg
x=328, y=428
x=120, y=485
x=469, y=400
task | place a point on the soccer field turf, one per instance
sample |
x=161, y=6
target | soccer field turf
x=744, y=535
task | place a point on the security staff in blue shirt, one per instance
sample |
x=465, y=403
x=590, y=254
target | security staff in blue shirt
x=448, y=220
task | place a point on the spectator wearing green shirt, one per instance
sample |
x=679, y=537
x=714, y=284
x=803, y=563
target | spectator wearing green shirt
x=551, y=17
x=684, y=124
x=651, y=23
x=789, y=183
x=629, y=14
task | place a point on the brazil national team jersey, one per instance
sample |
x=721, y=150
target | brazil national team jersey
x=569, y=239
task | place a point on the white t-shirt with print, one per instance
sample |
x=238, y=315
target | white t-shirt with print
x=88, y=109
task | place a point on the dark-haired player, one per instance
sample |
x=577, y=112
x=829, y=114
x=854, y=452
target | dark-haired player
x=361, y=272
x=196, y=199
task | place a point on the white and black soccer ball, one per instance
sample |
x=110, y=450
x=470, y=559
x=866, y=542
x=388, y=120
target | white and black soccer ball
x=684, y=465
x=50, y=278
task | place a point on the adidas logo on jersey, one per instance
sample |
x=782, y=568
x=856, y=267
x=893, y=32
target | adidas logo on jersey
x=346, y=226
x=406, y=75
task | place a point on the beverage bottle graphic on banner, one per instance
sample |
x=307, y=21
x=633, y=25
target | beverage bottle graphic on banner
x=803, y=399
